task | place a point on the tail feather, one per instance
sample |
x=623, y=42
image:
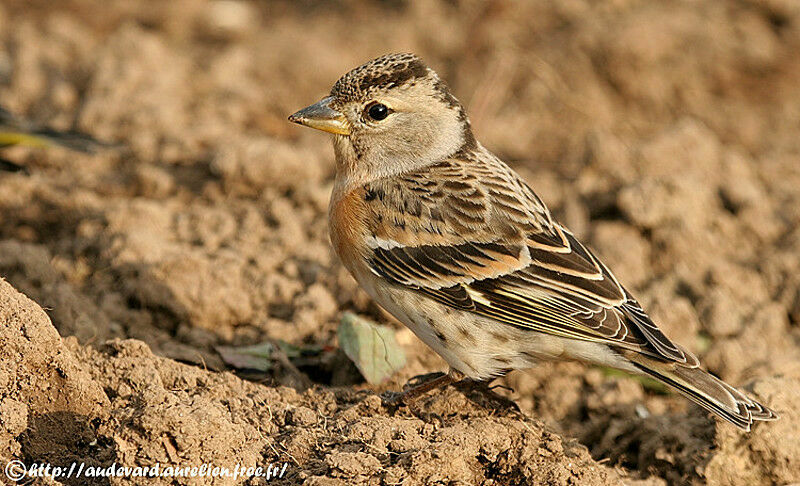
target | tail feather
x=709, y=392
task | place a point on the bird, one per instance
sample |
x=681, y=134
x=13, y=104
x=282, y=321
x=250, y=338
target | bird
x=452, y=242
x=19, y=131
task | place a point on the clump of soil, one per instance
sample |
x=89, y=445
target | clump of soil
x=664, y=134
x=64, y=402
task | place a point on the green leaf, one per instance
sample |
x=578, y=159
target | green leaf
x=373, y=348
x=255, y=357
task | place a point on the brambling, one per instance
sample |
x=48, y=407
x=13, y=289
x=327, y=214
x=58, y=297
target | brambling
x=453, y=243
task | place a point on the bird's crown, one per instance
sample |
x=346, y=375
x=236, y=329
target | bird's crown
x=385, y=72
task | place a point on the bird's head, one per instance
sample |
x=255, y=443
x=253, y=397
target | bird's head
x=390, y=115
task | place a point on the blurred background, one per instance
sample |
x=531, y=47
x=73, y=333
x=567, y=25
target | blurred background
x=664, y=133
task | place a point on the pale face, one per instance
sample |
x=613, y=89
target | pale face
x=389, y=119
x=402, y=126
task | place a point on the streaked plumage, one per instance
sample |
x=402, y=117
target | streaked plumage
x=458, y=247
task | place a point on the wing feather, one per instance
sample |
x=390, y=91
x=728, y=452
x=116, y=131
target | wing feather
x=488, y=245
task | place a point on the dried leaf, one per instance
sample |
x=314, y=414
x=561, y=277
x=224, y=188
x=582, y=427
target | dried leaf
x=255, y=357
x=373, y=348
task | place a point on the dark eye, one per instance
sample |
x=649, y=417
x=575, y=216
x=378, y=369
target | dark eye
x=377, y=111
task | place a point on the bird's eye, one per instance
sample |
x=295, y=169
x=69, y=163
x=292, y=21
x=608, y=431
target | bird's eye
x=377, y=111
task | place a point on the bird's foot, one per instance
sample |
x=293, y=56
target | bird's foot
x=422, y=384
x=487, y=391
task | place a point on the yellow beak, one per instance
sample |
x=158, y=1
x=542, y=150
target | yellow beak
x=322, y=117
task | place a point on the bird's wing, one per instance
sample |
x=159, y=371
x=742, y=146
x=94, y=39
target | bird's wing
x=472, y=235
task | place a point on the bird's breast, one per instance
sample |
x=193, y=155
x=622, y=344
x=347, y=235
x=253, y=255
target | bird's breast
x=348, y=229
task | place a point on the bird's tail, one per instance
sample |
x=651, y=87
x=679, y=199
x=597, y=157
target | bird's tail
x=708, y=391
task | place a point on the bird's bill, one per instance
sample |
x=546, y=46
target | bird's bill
x=322, y=117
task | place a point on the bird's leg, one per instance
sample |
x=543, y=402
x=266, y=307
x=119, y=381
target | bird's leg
x=413, y=393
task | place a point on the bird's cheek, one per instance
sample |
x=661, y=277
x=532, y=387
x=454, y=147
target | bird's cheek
x=359, y=145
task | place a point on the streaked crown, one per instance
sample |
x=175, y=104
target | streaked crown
x=385, y=72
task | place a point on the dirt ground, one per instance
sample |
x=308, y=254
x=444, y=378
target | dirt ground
x=663, y=133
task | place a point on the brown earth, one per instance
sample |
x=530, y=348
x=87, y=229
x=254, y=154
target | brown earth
x=663, y=133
